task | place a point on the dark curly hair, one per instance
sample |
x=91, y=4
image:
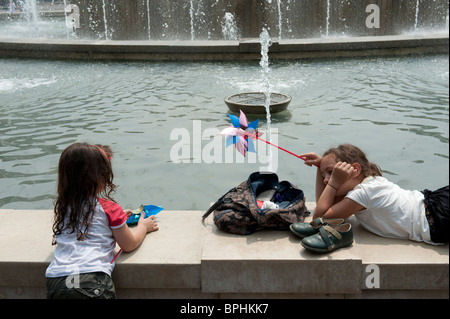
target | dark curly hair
x=84, y=173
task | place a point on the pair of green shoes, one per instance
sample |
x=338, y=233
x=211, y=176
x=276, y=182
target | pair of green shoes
x=324, y=235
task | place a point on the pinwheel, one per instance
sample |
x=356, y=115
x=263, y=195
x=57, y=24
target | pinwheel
x=240, y=132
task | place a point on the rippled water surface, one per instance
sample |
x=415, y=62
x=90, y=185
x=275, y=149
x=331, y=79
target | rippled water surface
x=396, y=109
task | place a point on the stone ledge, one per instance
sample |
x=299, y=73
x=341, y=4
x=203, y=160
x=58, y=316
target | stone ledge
x=188, y=259
x=245, y=49
x=274, y=262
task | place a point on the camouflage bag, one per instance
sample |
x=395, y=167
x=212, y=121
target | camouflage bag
x=239, y=211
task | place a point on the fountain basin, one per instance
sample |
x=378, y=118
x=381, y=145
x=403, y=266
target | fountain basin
x=253, y=102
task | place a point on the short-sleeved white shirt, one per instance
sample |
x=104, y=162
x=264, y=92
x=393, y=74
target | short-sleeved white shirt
x=390, y=210
x=96, y=251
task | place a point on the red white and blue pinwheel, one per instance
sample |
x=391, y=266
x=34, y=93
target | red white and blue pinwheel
x=242, y=134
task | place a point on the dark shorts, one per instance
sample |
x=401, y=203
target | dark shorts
x=437, y=211
x=96, y=285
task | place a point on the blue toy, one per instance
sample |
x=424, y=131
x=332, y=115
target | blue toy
x=149, y=211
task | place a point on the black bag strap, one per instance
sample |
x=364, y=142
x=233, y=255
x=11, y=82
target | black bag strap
x=219, y=202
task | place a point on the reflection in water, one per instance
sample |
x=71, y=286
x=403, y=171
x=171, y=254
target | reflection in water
x=395, y=109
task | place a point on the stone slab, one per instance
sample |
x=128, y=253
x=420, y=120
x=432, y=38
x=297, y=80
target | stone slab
x=275, y=262
x=25, y=247
x=167, y=258
x=402, y=263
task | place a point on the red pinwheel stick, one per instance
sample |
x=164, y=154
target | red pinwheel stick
x=283, y=149
x=117, y=255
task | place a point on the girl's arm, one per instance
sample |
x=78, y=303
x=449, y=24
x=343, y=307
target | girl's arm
x=129, y=240
x=342, y=209
x=332, y=202
x=320, y=185
x=310, y=160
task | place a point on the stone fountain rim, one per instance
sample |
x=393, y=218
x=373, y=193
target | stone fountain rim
x=224, y=50
x=275, y=107
x=288, y=98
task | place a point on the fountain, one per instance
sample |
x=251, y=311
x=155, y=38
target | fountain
x=30, y=11
x=305, y=21
x=229, y=27
x=139, y=108
x=264, y=101
x=201, y=19
x=266, y=42
x=223, y=30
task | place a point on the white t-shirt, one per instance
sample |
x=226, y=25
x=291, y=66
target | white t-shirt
x=390, y=210
x=96, y=251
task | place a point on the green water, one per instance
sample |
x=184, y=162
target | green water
x=395, y=109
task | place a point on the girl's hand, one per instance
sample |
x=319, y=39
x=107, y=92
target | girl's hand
x=129, y=240
x=311, y=159
x=149, y=223
x=128, y=212
x=342, y=172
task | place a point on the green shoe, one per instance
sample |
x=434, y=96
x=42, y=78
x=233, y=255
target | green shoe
x=329, y=239
x=308, y=229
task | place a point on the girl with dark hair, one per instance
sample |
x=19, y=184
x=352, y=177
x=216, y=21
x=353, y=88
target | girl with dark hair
x=87, y=224
x=347, y=183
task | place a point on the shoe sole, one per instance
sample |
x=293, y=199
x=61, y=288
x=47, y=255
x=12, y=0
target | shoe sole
x=323, y=251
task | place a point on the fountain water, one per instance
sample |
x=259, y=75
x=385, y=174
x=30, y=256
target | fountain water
x=266, y=42
x=137, y=106
x=229, y=27
x=280, y=20
x=105, y=20
x=31, y=15
x=261, y=102
x=416, y=21
x=203, y=19
x=327, y=31
x=192, y=16
x=148, y=20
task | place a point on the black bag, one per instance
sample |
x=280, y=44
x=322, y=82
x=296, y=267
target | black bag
x=238, y=212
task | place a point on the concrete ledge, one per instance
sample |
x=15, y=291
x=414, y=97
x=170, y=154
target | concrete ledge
x=246, y=49
x=172, y=255
x=274, y=262
x=188, y=259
